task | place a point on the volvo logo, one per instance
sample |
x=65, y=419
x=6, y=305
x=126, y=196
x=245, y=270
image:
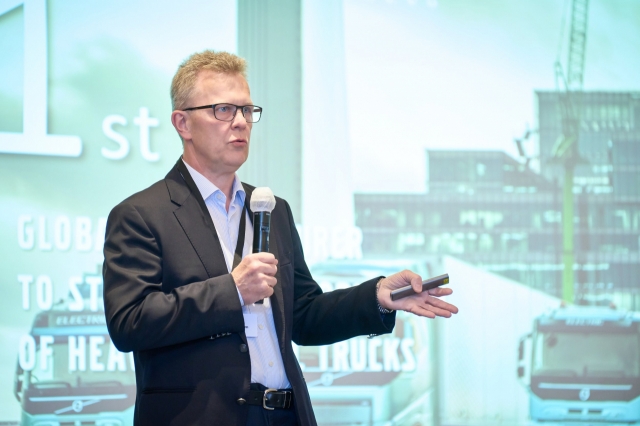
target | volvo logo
x=585, y=393
x=77, y=405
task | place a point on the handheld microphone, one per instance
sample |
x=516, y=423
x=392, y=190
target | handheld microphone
x=262, y=204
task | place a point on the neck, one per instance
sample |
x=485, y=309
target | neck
x=224, y=181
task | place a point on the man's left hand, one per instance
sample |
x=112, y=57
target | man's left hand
x=424, y=304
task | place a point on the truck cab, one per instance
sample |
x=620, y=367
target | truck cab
x=71, y=374
x=582, y=364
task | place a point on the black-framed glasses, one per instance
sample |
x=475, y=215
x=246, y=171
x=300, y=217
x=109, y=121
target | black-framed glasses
x=227, y=112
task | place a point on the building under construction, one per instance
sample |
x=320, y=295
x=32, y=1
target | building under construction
x=495, y=212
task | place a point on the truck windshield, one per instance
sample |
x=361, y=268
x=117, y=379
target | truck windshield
x=586, y=354
x=94, y=363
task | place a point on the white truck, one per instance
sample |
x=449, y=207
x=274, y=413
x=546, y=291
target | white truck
x=581, y=365
x=77, y=377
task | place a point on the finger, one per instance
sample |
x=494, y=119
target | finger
x=419, y=310
x=264, y=268
x=427, y=310
x=264, y=257
x=440, y=291
x=270, y=281
x=419, y=304
x=438, y=311
x=265, y=294
x=444, y=311
x=440, y=304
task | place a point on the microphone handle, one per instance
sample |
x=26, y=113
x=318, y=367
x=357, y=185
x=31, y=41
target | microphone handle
x=261, y=229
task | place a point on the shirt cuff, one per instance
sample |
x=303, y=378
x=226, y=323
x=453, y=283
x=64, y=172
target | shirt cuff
x=240, y=297
x=383, y=311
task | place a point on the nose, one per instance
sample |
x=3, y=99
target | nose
x=238, y=119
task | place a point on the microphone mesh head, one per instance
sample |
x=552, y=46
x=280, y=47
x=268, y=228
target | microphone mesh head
x=262, y=200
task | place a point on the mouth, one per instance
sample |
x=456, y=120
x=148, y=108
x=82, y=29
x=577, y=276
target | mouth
x=238, y=142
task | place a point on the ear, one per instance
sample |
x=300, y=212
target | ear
x=180, y=120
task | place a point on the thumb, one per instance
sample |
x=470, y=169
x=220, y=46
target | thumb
x=416, y=284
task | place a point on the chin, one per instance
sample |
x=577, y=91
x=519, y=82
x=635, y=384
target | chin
x=240, y=161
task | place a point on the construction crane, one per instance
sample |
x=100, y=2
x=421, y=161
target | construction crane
x=565, y=151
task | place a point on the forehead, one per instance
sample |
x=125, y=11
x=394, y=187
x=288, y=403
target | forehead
x=214, y=86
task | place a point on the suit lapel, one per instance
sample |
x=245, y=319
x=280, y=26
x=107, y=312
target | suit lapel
x=277, y=301
x=277, y=298
x=195, y=220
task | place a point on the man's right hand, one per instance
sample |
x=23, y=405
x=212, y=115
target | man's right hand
x=255, y=276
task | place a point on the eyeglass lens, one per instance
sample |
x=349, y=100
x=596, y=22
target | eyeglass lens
x=227, y=112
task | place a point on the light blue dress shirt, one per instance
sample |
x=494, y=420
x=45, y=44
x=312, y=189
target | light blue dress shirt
x=266, y=361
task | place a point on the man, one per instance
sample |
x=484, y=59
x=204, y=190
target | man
x=182, y=289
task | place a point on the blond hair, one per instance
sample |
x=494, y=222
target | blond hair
x=185, y=79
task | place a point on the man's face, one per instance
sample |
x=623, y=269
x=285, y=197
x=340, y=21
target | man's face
x=211, y=145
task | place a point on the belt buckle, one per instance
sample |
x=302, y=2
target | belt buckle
x=264, y=399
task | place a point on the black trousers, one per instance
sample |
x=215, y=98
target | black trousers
x=258, y=416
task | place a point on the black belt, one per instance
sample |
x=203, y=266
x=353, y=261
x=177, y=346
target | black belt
x=270, y=399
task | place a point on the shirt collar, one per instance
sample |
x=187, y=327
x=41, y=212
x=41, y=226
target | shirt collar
x=207, y=188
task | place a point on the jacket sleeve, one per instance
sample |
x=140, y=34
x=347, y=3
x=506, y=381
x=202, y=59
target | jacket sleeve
x=139, y=314
x=325, y=318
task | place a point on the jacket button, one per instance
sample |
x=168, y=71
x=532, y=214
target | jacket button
x=241, y=401
x=243, y=348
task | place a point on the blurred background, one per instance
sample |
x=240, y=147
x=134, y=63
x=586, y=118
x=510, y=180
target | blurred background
x=497, y=141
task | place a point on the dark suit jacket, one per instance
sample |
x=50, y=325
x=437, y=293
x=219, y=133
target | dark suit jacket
x=170, y=299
